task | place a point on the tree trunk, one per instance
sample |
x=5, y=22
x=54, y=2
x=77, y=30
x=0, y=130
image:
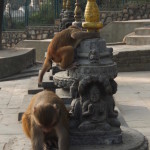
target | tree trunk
x=1, y=20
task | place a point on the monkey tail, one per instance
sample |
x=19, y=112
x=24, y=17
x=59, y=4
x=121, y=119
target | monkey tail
x=47, y=65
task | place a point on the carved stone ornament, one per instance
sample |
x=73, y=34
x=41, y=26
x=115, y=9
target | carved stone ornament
x=94, y=56
x=92, y=112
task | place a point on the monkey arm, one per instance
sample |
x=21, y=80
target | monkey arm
x=63, y=136
x=84, y=35
x=37, y=137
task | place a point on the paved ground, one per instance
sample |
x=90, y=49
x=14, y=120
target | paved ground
x=133, y=99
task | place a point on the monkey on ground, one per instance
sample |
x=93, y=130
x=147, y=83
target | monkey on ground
x=46, y=120
x=61, y=48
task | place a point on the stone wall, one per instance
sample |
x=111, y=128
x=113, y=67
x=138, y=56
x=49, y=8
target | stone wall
x=40, y=33
x=129, y=12
x=11, y=38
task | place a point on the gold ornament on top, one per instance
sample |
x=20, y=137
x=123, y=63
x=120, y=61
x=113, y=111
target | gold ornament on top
x=64, y=4
x=92, y=17
x=77, y=11
x=68, y=5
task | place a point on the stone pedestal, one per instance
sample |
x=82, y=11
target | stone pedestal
x=67, y=19
x=131, y=140
x=93, y=59
x=97, y=70
x=93, y=120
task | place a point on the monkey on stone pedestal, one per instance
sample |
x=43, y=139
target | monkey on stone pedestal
x=61, y=48
x=46, y=121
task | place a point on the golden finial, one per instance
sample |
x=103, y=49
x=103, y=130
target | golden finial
x=77, y=14
x=68, y=5
x=92, y=17
x=77, y=11
x=64, y=4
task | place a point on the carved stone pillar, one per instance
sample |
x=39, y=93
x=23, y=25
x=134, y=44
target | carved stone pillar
x=68, y=17
x=77, y=14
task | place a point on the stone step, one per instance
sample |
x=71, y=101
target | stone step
x=142, y=31
x=33, y=87
x=19, y=76
x=64, y=94
x=47, y=83
x=138, y=40
x=131, y=57
x=28, y=72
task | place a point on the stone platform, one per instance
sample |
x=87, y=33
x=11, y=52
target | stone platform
x=140, y=36
x=132, y=140
x=116, y=30
x=131, y=57
x=14, y=60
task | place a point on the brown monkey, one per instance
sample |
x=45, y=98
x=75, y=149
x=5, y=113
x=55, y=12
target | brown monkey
x=46, y=120
x=61, y=48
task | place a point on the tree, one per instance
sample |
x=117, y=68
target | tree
x=1, y=20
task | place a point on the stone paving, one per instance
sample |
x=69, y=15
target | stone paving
x=132, y=98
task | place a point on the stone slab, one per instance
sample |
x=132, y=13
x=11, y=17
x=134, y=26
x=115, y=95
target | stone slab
x=14, y=60
x=23, y=107
x=39, y=45
x=138, y=40
x=142, y=30
x=131, y=57
x=64, y=94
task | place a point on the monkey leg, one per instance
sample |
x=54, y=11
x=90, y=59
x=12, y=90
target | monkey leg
x=67, y=56
x=26, y=125
x=47, y=65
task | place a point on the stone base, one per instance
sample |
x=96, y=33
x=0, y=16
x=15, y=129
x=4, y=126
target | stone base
x=96, y=137
x=131, y=140
x=14, y=60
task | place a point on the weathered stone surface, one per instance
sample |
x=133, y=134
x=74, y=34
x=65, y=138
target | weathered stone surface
x=33, y=37
x=11, y=38
x=44, y=36
x=132, y=140
x=32, y=32
x=18, y=61
x=39, y=36
x=96, y=137
x=24, y=36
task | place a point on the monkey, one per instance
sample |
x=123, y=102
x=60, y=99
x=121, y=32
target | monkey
x=61, y=48
x=46, y=120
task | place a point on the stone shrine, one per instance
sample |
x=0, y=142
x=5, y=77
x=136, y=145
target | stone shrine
x=93, y=119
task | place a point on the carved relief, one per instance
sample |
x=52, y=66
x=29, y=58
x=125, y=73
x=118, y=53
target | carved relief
x=93, y=108
x=94, y=56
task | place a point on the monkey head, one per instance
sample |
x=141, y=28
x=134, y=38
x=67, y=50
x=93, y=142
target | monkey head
x=46, y=116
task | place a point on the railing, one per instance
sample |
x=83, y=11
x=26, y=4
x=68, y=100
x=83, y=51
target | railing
x=21, y=13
